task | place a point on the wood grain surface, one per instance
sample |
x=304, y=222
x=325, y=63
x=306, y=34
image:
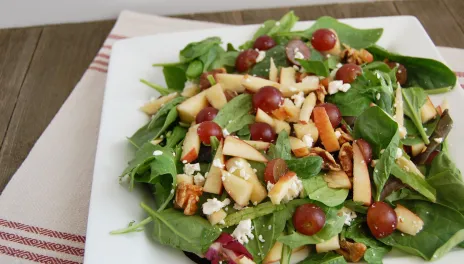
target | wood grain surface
x=40, y=66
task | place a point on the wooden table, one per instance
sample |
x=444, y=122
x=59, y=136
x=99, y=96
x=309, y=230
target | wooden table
x=39, y=66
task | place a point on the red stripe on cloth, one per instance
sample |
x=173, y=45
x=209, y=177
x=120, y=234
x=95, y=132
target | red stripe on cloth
x=98, y=69
x=115, y=36
x=462, y=86
x=42, y=231
x=459, y=74
x=103, y=55
x=104, y=63
x=42, y=244
x=107, y=46
x=33, y=256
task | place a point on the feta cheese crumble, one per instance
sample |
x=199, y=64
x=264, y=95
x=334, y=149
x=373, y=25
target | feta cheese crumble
x=269, y=186
x=238, y=207
x=244, y=174
x=298, y=54
x=296, y=186
x=377, y=96
x=296, y=68
x=438, y=140
x=157, y=153
x=261, y=55
x=399, y=153
x=336, y=86
x=298, y=99
x=217, y=163
x=190, y=169
x=225, y=132
x=308, y=140
x=349, y=216
x=199, y=179
x=213, y=205
x=243, y=231
x=338, y=134
x=261, y=239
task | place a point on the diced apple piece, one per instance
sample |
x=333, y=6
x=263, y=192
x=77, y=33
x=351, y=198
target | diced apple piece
x=184, y=178
x=361, y=179
x=408, y=165
x=280, y=113
x=281, y=187
x=152, y=107
x=326, y=131
x=337, y=180
x=238, y=148
x=275, y=254
x=263, y=117
x=238, y=189
x=259, y=145
x=191, y=145
x=299, y=148
x=287, y=81
x=307, y=108
x=189, y=108
x=444, y=106
x=329, y=245
x=217, y=217
x=245, y=260
x=191, y=90
x=417, y=149
x=253, y=84
x=273, y=72
x=291, y=110
x=240, y=167
x=281, y=125
x=308, y=84
x=304, y=129
x=213, y=182
x=428, y=111
x=231, y=82
x=299, y=254
x=216, y=96
x=408, y=222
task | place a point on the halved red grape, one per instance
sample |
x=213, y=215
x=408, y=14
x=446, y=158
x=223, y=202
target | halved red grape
x=308, y=219
x=401, y=72
x=335, y=116
x=323, y=39
x=246, y=59
x=264, y=43
x=297, y=49
x=262, y=132
x=381, y=219
x=206, y=114
x=348, y=73
x=366, y=149
x=209, y=129
x=268, y=99
x=275, y=169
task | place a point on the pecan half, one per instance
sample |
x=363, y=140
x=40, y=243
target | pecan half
x=329, y=162
x=344, y=137
x=187, y=197
x=351, y=251
x=321, y=92
x=204, y=82
x=350, y=55
x=345, y=156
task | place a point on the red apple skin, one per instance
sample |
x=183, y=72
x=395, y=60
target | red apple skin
x=190, y=156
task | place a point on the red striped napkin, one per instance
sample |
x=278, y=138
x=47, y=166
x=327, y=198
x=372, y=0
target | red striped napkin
x=43, y=210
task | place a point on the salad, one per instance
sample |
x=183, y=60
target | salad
x=313, y=146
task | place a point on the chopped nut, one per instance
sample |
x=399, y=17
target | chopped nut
x=350, y=55
x=351, y=251
x=187, y=196
x=328, y=160
x=345, y=156
x=321, y=92
x=204, y=82
x=344, y=137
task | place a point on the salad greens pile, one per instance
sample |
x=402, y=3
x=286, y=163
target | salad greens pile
x=404, y=164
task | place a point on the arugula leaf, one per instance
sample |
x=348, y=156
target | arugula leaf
x=160, y=89
x=175, y=77
x=282, y=148
x=414, y=98
x=177, y=135
x=324, y=258
x=188, y=233
x=305, y=167
x=443, y=230
x=314, y=66
x=278, y=55
x=415, y=181
x=317, y=189
x=235, y=114
x=196, y=49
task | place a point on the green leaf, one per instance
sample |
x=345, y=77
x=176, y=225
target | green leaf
x=194, y=69
x=145, y=134
x=324, y=258
x=162, y=90
x=358, y=207
x=188, y=233
x=313, y=66
x=175, y=77
x=415, y=181
x=317, y=189
x=384, y=166
x=305, y=167
x=414, y=99
x=165, y=110
x=177, y=135
x=235, y=114
x=278, y=55
x=143, y=156
x=413, y=137
x=282, y=148
x=196, y=49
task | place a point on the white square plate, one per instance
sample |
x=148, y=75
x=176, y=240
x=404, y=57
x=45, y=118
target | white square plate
x=112, y=206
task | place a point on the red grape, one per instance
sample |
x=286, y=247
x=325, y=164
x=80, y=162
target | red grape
x=297, y=49
x=262, y=132
x=268, y=98
x=335, y=116
x=381, y=219
x=348, y=73
x=365, y=149
x=209, y=129
x=308, y=219
x=401, y=72
x=324, y=39
x=275, y=169
x=246, y=59
x=206, y=114
x=264, y=43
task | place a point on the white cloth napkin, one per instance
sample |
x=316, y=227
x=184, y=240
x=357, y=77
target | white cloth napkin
x=43, y=210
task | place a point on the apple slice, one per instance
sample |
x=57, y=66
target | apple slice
x=259, y=145
x=275, y=254
x=329, y=245
x=417, y=149
x=191, y=90
x=191, y=145
x=306, y=129
x=152, y=107
x=253, y=84
x=361, y=180
x=238, y=148
x=299, y=148
x=408, y=165
x=287, y=81
x=337, y=180
x=184, y=178
x=263, y=117
x=213, y=182
x=273, y=72
x=307, y=108
x=282, y=187
x=238, y=189
x=231, y=82
x=189, y=108
x=444, y=106
x=408, y=222
x=240, y=167
x=281, y=125
x=292, y=111
x=308, y=84
x=245, y=260
x=217, y=217
x=326, y=131
x=428, y=111
x=216, y=96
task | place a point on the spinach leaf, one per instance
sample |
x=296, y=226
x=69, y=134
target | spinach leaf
x=314, y=66
x=175, y=77
x=224, y=59
x=413, y=137
x=305, y=167
x=415, y=181
x=209, y=57
x=351, y=103
x=282, y=148
x=425, y=73
x=143, y=156
x=414, y=98
x=384, y=166
x=194, y=69
x=165, y=110
x=160, y=89
x=196, y=49
x=317, y=189
x=188, y=233
x=235, y=114
x=278, y=55
x=443, y=230
x=177, y=135
x=358, y=207
x=162, y=166
x=244, y=133
x=146, y=134
x=324, y=258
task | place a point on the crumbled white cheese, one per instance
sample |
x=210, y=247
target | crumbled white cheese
x=225, y=132
x=349, y=216
x=255, y=203
x=222, y=222
x=261, y=55
x=296, y=68
x=298, y=99
x=244, y=174
x=399, y=153
x=238, y=207
x=338, y=134
x=172, y=191
x=403, y=132
x=269, y=186
x=298, y=54
x=190, y=169
x=334, y=86
x=339, y=65
x=345, y=87
x=214, y=205
x=308, y=140
x=438, y=140
x=189, y=85
x=243, y=231
x=199, y=179
x=277, y=23
x=377, y=96
x=269, y=227
x=261, y=239
x=217, y=163
x=184, y=161
x=157, y=153
x=296, y=186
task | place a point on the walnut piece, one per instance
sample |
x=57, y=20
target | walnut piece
x=344, y=137
x=329, y=162
x=350, y=55
x=204, y=82
x=345, y=156
x=187, y=197
x=321, y=92
x=351, y=251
